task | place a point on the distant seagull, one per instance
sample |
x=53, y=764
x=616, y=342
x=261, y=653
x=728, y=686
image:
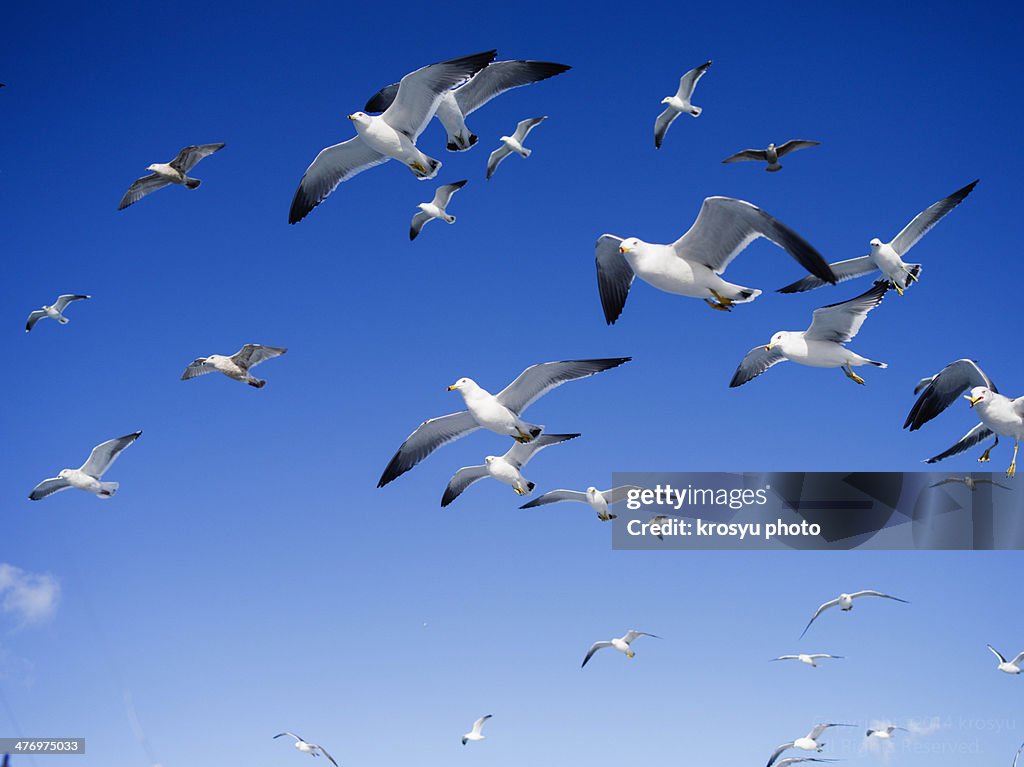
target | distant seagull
x=969, y=482
x=810, y=660
x=622, y=644
x=506, y=468
x=598, y=500
x=693, y=265
x=391, y=135
x=436, y=208
x=477, y=732
x=174, y=172
x=676, y=105
x=885, y=733
x=457, y=104
x=500, y=413
x=789, y=760
x=999, y=415
x=306, y=747
x=845, y=603
x=772, y=154
x=88, y=476
x=54, y=312
x=659, y=519
x=1007, y=667
x=513, y=143
x=1015, y=758
x=809, y=742
x=237, y=365
x=821, y=345
x=887, y=257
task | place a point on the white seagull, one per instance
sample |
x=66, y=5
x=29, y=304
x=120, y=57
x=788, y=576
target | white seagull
x=622, y=644
x=237, y=365
x=693, y=265
x=821, y=345
x=808, y=659
x=436, y=208
x=1007, y=667
x=676, y=105
x=477, y=732
x=884, y=733
x=505, y=468
x=798, y=759
x=54, y=311
x=969, y=482
x=772, y=154
x=809, y=742
x=598, y=500
x=513, y=143
x=500, y=413
x=887, y=257
x=391, y=135
x=306, y=747
x=845, y=603
x=87, y=476
x=174, y=172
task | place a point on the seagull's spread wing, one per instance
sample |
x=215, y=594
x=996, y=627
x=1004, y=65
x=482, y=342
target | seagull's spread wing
x=978, y=434
x=787, y=657
x=632, y=635
x=873, y=593
x=444, y=193
x=997, y=653
x=593, y=649
x=942, y=390
x=662, y=123
x=500, y=76
x=495, y=159
x=1018, y=658
x=689, y=81
x=196, y=368
x=926, y=219
x=189, y=156
x=525, y=126
x=777, y=752
x=141, y=188
x=843, y=270
x=48, y=487
x=332, y=166
x=33, y=318
x=840, y=322
x=820, y=728
x=416, y=225
x=104, y=454
x=462, y=479
x=793, y=144
x=538, y=380
x=251, y=355
x=520, y=453
x=614, y=276
x=62, y=301
x=819, y=611
x=556, y=496
x=290, y=735
x=382, y=99
x=478, y=725
x=329, y=757
x=755, y=363
x=748, y=154
x=428, y=436
x=618, y=494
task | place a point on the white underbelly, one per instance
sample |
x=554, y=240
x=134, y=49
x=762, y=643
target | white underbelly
x=817, y=354
x=673, y=275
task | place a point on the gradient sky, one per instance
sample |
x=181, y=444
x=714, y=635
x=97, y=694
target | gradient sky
x=250, y=578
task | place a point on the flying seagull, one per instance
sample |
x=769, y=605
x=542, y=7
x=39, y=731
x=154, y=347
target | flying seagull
x=477, y=732
x=1017, y=755
x=500, y=413
x=969, y=482
x=821, y=345
x=598, y=500
x=391, y=135
x=1007, y=667
x=845, y=603
x=693, y=265
x=457, y=104
x=237, y=365
x=887, y=257
x=622, y=644
x=513, y=143
x=436, y=208
x=54, y=312
x=772, y=154
x=676, y=105
x=306, y=747
x=174, y=172
x=87, y=477
x=885, y=733
x=808, y=659
x=797, y=759
x=999, y=415
x=809, y=742
x=506, y=468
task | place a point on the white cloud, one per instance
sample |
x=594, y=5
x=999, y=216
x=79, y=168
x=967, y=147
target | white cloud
x=29, y=597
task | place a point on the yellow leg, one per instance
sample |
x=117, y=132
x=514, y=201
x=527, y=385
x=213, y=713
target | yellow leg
x=986, y=456
x=897, y=287
x=1013, y=464
x=852, y=376
x=522, y=438
x=911, y=277
x=720, y=303
x=418, y=166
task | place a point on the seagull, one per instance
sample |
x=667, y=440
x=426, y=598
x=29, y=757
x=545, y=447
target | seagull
x=476, y=732
x=808, y=659
x=54, y=312
x=797, y=759
x=306, y=747
x=88, y=476
x=999, y=415
x=513, y=143
x=436, y=208
x=676, y=105
x=885, y=733
x=237, y=365
x=599, y=500
x=969, y=482
x=173, y=172
x=622, y=644
x=887, y=257
x=1015, y=758
x=845, y=602
x=1007, y=667
x=457, y=104
x=505, y=468
x=391, y=135
x=500, y=413
x=693, y=264
x=821, y=345
x=772, y=154
x=807, y=743
x=659, y=519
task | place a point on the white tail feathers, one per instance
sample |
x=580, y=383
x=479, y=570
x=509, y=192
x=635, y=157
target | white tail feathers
x=526, y=152
x=695, y=111
x=450, y=219
x=878, y=364
x=192, y=183
x=63, y=320
x=107, y=489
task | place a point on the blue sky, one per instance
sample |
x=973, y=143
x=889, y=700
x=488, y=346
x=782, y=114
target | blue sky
x=250, y=578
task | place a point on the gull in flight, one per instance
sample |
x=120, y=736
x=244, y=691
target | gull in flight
x=693, y=265
x=969, y=482
x=513, y=143
x=306, y=747
x=772, y=154
x=999, y=415
x=87, y=477
x=506, y=468
x=797, y=759
x=436, y=208
x=174, y=172
x=676, y=105
x=809, y=742
x=1007, y=667
x=810, y=660
x=622, y=644
x=887, y=257
x=598, y=500
x=500, y=413
x=477, y=732
x=458, y=103
x=237, y=365
x=885, y=733
x=821, y=345
x=54, y=312
x=845, y=603
x=1017, y=756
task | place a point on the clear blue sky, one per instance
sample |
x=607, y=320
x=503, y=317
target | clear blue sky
x=250, y=578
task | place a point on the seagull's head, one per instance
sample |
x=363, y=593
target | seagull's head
x=875, y=243
x=489, y=459
x=359, y=118
x=777, y=340
x=592, y=490
x=629, y=245
x=152, y=167
x=771, y=146
x=978, y=394
x=64, y=474
x=463, y=385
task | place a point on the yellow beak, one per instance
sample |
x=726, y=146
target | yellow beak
x=453, y=387
x=973, y=400
x=623, y=249
x=769, y=347
x=350, y=117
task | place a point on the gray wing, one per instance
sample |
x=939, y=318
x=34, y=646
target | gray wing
x=661, y=125
x=382, y=99
x=291, y=735
x=538, y=380
x=725, y=226
x=754, y=364
x=929, y=217
x=777, y=752
x=593, y=649
x=33, y=318
x=332, y=166
x=794, y=144
x=251, y=355
x=189, y=156
x=873, y=593
x=500, y=76
x=104, y=454
x=416, y=225
x=614, y=276
x=840, y=322
x=819, y=611
x=196, y=368
x=329, y=757
x=689, y=81
x=495, y=159
x=748, y=154
x=48, y=487
x=556, y=496
x=618, y=494
x=520, y=453
x=525, y=126
x=1017, y=755
x=942, y=390
x=632, y=635
x=428, y=436
x=462, y=479
x=141, y=188
x=978, y=434
x=444, y=193
x=843, y=270
x=62, y=301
